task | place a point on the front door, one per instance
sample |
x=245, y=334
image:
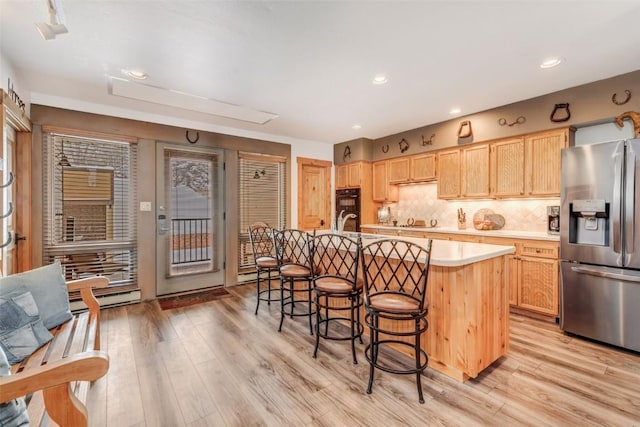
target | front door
x=314, y=194
x=189, y=218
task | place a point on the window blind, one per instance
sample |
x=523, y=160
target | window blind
x=89, y=215
x=262, y=198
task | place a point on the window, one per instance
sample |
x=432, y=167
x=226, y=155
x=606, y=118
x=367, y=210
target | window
x=89, y=215
x=262, y=198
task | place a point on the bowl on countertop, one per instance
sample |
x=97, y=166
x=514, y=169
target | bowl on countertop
x=486, y=219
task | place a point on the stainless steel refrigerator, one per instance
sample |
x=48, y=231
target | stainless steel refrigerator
x=600, y=242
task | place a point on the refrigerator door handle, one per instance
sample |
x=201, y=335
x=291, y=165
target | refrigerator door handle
x=629, y=201
x=616, y=211
x=599, y=272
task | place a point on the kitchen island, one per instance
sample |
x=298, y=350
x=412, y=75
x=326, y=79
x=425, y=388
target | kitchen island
x=468, y=306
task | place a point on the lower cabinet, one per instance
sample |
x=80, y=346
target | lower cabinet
x=532, y=272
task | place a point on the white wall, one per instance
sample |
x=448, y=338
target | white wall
x=7, y=72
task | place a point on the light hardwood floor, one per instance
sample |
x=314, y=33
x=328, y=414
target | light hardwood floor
x=218, y=364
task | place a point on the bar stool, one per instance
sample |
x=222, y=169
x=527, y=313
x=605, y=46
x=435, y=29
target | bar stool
x=264, y=255
x=294, y=252
x=395, y=281
x=336, y=260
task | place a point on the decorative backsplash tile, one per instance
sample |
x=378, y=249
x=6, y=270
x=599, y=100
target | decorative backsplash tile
x=420, y=201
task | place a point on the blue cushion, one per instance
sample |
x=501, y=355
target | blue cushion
x=48, y=288
x=14, y=412
x=21, y=330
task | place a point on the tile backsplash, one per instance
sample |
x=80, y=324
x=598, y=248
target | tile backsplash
x=420, y=201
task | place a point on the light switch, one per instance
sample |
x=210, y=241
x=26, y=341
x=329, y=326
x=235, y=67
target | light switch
x=145, y=206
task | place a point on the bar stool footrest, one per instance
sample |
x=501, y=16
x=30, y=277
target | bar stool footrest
x=424, y=359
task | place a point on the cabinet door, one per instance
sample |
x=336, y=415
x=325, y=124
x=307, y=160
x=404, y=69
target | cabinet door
x=423, y=167
x=475, y=171
x=507, y=168
x=354, y=174
x=341, y=176
x=542, y=165
x=511, y=276
x=449, y=174
x=538, y=285
x=399, y=170
x=382, y=191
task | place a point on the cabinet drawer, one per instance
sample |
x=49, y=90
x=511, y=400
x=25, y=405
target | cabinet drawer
x=540, y=251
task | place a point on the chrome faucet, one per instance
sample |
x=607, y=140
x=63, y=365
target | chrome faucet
x=341, y=220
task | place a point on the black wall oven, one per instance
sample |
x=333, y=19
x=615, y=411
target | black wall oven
x=349, y=202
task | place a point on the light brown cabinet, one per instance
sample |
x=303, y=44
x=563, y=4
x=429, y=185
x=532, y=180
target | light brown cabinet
x=475, y=171
x=527, y=166
x=422, y=167
x=417, y=168
x=383, y=191
x=507, y=168
x=532, y=273
x=349, y=175
x=542, y=161
x=399, y=170
x=449, y=162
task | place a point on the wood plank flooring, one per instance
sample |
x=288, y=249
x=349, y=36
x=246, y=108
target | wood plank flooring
x=218, y=364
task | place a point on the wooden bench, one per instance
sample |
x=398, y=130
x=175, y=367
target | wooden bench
x=58, y=375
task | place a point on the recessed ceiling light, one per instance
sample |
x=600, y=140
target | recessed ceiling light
x=136, y=74
x=380, y=79
x=455, y=110
x=551, y=62
x=356, y=127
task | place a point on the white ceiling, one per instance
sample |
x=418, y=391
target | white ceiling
x=312, y=62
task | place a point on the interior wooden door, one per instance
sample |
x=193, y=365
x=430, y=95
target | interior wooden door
x=314, y=194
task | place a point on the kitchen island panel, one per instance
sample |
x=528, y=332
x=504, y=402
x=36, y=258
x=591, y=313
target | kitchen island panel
x=468, y=318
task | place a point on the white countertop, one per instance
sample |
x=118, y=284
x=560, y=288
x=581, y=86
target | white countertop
x=448, y=253
x=534, y=235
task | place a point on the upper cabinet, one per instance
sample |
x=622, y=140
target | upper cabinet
x=542, y=161
x=507, y=168
x=349, y=175
x=399, y=170
x=422, y=167
x=527, y=166
x=417, y=168
x=449, y=162
x=475, y=171
x=382, y=190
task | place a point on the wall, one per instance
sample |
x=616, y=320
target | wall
x=8, y=72
x=589, y=104
x=420, y=201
